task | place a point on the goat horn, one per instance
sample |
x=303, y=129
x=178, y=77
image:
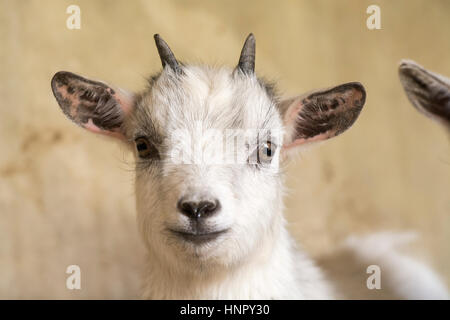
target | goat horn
x=247, y=58
x=166, y=55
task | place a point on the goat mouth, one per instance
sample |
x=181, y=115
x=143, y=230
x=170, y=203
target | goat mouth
x=198, y=237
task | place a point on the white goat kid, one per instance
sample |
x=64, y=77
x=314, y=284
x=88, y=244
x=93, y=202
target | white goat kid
x=214, y=230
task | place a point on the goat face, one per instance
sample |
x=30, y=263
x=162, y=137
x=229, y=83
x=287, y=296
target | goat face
x=208, y=143
x=214, y=187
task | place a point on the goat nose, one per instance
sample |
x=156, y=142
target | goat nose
x=197, y=210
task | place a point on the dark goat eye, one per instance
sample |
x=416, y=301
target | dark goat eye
x=145, y=148
x=266, y=152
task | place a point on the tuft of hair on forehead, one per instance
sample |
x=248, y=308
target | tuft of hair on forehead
x=209, y=74
x=217, y=96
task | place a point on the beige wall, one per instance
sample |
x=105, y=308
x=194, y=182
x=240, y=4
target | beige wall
x=66, y=196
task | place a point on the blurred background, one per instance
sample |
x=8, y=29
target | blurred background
x=66, y=196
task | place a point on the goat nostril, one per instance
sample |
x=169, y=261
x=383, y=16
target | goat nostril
x=196, y=210
x=188, y=206
x=206, y=207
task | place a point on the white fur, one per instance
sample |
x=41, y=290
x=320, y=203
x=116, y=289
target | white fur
x=256, y=258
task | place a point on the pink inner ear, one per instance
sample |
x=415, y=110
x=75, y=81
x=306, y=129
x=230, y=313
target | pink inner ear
x=323, y=114
x=320, y=137
x=292, y=116
x=91, y=104
x=293, y=112
x=93, y=128
x=74, y=100
x=124, y=99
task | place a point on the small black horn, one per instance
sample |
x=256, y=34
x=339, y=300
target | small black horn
x=247, y=58
x=166, y=55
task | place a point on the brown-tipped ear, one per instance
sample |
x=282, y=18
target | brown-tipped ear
x=428, y=92
x=322, y=114
x=91, y=104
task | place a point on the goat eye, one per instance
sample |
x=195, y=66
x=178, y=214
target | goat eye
x=266, y=152
x=145, y=148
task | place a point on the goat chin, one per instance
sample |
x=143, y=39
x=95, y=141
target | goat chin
x=277, y=270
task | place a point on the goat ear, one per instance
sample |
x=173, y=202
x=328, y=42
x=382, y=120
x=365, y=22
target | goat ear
x=428, y=92
x=91, y=104
x=322, y=114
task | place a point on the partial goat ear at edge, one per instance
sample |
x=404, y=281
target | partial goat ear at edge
x=322, y=114
x=428, y=92
x=92, y=105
